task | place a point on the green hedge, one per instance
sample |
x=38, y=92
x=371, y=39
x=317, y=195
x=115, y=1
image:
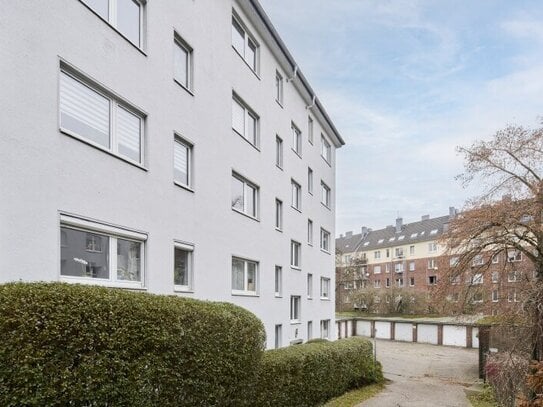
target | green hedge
x=313, y=373
x=63, y=345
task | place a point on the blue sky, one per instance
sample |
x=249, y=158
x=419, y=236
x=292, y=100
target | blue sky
x=407, y=81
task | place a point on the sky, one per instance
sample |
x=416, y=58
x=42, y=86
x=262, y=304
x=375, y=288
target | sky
x=406, y=82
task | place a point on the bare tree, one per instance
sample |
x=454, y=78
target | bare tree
x=505, y=219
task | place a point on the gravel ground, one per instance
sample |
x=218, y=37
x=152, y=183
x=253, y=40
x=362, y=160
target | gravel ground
x=424, y=375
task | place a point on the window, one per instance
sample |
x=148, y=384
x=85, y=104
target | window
x=278, y=214
x=309, y=330
x=310, y=180
x=412, y=250
x=124, y=15
x=387, y=285
x=433, y=232
x=278, y=336
x=477, y=279
x=512, y=296
x=325, y=195
x=182, y=63
x=296, y=140
x=376, y=269
x=244, y=44
x=278, y=88
x=296, y=195
x=310, y=232
x=399, y=282
x=278, y=152
x=514, y=256
x=496, y=259
x=387, y=268
x=100, y=119
x=377, y=254
x=182, y=266
x=432, y=264
x=477, y=260
x=432, y=280
x=377, y=284
x=244, y=276
x=453, y=261
x=295, y=254
x=398, y=252
x=412, y=281
x=295, y=311
x=325, y=240
x=477, y=297
x=101, y=254
x=278, y=281
x=432, y=247
x=455, y=279
x=244, y=196
x=310, y=129
x=325, y=288
x=398, y=267
x=513, y=276
x=495, y=276
x=411, y=266
x=245, y=121
x=326, y=150
x=325, y=329
x=495, y=296
x=182, y=162
x=309, y=286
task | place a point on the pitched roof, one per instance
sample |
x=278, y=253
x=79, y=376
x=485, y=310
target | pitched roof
x=415, y=232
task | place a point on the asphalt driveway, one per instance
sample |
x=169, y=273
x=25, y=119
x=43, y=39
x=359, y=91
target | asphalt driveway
x=424, y=375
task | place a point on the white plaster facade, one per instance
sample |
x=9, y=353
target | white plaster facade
x=46, y=173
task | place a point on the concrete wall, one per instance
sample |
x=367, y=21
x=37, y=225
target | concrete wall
x=45, y=172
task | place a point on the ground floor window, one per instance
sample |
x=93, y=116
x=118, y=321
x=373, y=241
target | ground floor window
x=244, y=276
x=325, y=329
x=182, y=269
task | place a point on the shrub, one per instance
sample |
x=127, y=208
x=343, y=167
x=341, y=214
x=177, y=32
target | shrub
x=505, y=372
x=311, y=374
x=78, y=345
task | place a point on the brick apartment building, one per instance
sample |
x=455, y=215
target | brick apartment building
x=408, y=259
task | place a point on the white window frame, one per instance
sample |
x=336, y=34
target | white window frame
x=309, y=286
x=377, y=284
x=325, y=329
x=295, y=246
x=188, y=82
x=190, y=275
x=477, y=260
x=326, y=150
x=112, y=233
x=295, y=309
x=310, y=232
x=247, y=185
x=278, y=336
x=246, y=291
x=248, y=38
x=377, y=269
x=411, y=281
x=432, y=247
x=296, y=199
x=325, y=288
x=476, y=279
x=279, y=88
x=278, y=152
x=495, y=295
x=513, y=276
x=310, y=129
x=278, y=214
x=326, y=195
x=309, y=330
x=115, y=104
x=309, y=180
x=111, y=19
x=495, y=276
x=514, y=255
x=325, y=240
x=190, y=154
x=247, y=111
x=296, y=139
x=496, y=258
x=278, y=282
x=377, y=254
x=412, y=266
x=513, y=297
x=412, y=250
x=432, y=264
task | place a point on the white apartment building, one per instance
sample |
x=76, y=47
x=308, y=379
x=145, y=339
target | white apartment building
x=169, y=146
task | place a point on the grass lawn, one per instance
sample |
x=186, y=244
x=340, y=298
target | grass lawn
x=353, y=314
x=356, y=396
x=484, y=399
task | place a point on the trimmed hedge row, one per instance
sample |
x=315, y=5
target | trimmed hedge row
x=310, y=374
x=63, y=345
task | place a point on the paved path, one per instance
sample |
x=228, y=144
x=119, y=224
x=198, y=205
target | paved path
x=424, y=375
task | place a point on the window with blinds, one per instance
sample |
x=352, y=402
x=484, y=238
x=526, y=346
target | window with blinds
x=182, y=162
x=99, y=119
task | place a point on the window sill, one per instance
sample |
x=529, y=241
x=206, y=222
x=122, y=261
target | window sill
x=325, y=298
x=190, y=92
x=278, y=296
x=101, y=148
x=185, y=187
x=326, y=206
x=279, y=230
x=102, y=283
x=246, y=140
x=115, y=29
x=296, y=209
x=244, y=214
x=297, y=153
x=278, y=166
x=310, y=244
x=326, y=161
x=325, y=251
x=244, y=294
x=295, y=322
x=246, y=63
x=279, y=103
x=183, y=289
x=295, y=268
x=310, y=298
